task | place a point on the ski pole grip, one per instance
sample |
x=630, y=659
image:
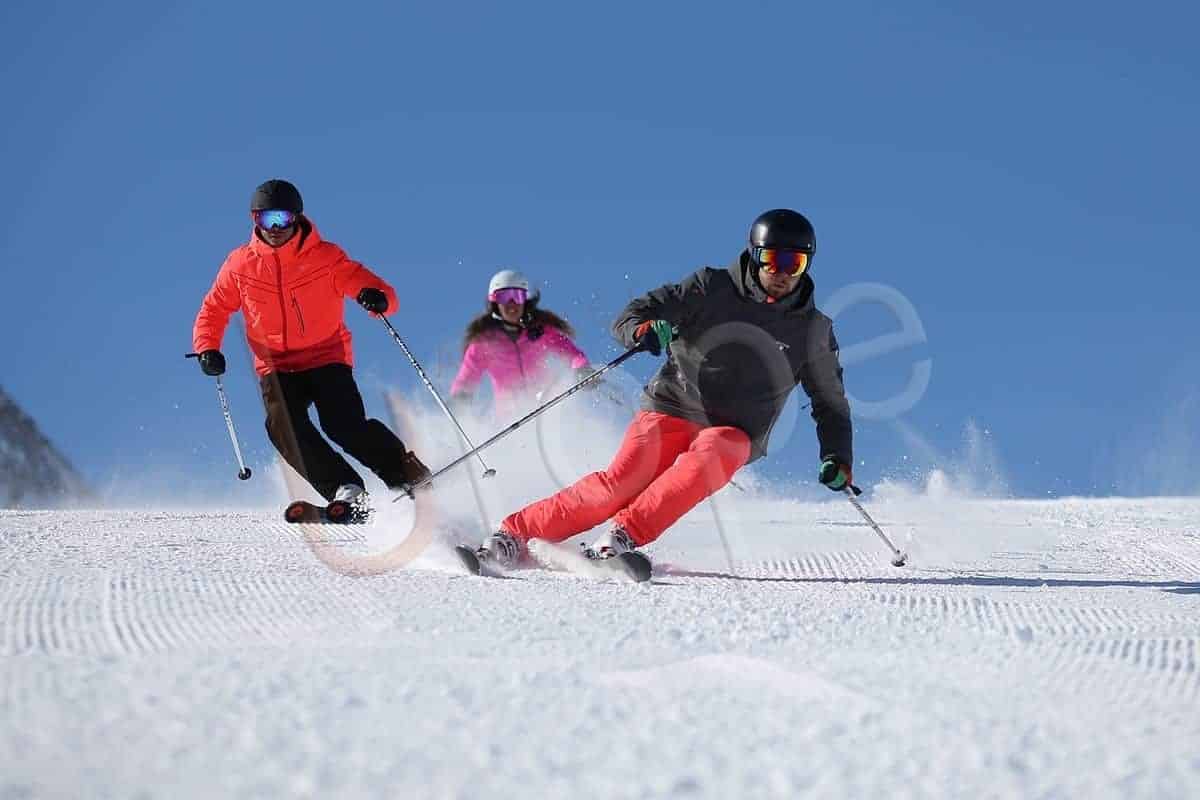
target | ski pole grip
x=857, y=491
x=191, y=355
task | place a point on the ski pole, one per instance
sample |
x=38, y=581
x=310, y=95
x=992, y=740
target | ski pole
x=487, y=471
x=898, y=557
x=243, y=470
x=633, y=351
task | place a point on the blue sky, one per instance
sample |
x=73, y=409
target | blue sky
x=1023, y=174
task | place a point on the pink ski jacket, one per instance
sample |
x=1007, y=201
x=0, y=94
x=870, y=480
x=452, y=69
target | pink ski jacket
x=518, y=367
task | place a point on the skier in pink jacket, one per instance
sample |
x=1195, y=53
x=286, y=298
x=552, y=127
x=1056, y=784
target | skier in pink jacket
x=515, y=343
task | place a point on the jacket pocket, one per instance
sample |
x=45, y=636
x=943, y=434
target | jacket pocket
x=299, y=313
x=263, y=312
x=316, y=307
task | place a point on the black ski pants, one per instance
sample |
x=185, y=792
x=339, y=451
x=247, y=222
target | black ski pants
x=331, y=388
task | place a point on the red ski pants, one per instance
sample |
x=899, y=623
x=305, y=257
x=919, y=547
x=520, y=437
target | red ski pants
x=665, y=466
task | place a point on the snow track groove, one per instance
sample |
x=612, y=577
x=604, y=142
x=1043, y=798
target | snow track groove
x=232, y=581
x=137, y=613
x=821, y=565
x=154, y=613
x=1034, y=618
x=1080, y=644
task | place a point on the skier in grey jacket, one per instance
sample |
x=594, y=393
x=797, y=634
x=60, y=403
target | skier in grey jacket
x=738, y=341
x=744, y=337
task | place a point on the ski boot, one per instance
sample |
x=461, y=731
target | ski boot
x=412, y=472
x=350, y=504
x=500, y=550
x=610, y=545
x=619, y=546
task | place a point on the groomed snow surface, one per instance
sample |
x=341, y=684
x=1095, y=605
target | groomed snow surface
x=207, y=654
x=1030, y=649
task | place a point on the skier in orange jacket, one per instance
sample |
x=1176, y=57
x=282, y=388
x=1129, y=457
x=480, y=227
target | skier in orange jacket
x=291, y=285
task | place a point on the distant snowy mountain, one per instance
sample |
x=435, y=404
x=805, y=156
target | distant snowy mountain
x=32, y=471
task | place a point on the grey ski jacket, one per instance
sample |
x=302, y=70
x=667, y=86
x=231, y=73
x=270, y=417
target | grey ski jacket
x=737, y=356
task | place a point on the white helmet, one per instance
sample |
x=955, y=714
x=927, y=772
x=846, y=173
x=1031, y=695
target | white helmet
x=510, y=279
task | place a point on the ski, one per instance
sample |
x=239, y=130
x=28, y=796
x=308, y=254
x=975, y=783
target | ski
x=633, y=565
x=339, y=512
x=468, y=558
x=474, y=566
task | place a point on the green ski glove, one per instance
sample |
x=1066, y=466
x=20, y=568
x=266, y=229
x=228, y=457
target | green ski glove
x=653, y=336
x=834, y=475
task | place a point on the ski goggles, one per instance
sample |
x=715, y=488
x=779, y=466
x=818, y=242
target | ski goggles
x=506, y=297
x=274, y=218
x=773, y=260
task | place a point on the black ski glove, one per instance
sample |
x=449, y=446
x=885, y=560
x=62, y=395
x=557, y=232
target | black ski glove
x=835, y=475
x=212, y=363
x=373, y=300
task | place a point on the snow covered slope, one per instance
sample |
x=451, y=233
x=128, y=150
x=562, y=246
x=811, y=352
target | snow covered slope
x=1031, y=649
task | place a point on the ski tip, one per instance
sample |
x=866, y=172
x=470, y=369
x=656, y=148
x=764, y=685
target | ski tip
x=636, y=565
x=339, y=511
x=469, y=560
x=302, y=511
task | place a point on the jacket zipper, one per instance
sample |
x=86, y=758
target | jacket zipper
x=282, y=302
x=521, y=362
x=299, y=313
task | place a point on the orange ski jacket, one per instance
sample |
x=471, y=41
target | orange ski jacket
x=293, y=300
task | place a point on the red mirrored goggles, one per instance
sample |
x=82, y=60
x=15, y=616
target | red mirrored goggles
x=511, y=296
x=274, y=218
x=774, y=260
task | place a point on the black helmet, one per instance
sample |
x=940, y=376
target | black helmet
x=277, y=195
x=785, y=229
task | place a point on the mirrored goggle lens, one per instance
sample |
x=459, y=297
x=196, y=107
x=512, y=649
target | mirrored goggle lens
x=508, y=296
x=773, y=260
x=274, y=219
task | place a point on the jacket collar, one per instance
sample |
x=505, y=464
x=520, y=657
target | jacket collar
x=300, y=245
